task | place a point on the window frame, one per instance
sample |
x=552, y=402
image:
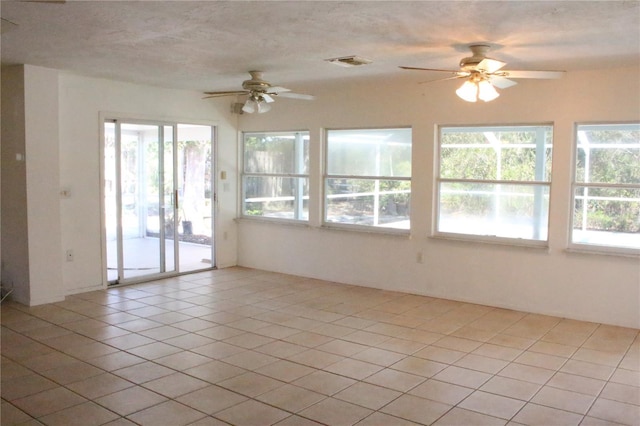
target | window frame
x=326, y=177
x=298, y=217
x=595, y=247
x=438, y=180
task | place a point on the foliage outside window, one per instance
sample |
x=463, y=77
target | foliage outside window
x=606, y=188
x=368, y=178
x=494, y=182
x=275, y=178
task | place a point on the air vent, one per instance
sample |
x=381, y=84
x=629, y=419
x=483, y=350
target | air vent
x=349, y=61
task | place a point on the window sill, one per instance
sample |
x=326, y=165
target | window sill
x=272, y=221
x=373, y=230
x=497, y=241
x=604, y=251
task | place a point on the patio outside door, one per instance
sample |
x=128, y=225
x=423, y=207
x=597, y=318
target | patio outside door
x=158, y=189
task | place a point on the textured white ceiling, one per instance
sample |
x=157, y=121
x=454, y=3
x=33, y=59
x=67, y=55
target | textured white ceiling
x=210, y=45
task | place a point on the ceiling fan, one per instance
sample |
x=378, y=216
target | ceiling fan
x=482, y=74
x=261, y=93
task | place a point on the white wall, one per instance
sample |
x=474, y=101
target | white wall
x=556, y=282
x=31, y=218
x=82, y=100
x=15, y=249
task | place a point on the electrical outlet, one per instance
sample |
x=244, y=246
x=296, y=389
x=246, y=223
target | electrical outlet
x=69, y=255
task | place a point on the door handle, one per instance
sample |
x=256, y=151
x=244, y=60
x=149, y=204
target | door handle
x=176, y=198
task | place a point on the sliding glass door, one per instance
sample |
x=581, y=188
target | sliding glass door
x=158, y=191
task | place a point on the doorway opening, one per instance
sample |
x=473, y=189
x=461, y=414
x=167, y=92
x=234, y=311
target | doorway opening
x=159, y=199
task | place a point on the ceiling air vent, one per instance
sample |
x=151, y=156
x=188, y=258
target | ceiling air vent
x=349, y=61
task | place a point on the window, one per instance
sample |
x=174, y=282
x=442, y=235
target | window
x=606, y=187
x=275, y=178
x=493, y=182
x=368, y=178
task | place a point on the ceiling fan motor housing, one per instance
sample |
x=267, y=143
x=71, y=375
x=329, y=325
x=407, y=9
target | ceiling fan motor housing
x=256, y=84
x=479, y=52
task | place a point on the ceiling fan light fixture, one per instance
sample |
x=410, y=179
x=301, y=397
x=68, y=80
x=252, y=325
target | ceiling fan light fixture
x=486, y=91
x=263, y=107
x=349, y=61
x=250, y=106
x=468, y=91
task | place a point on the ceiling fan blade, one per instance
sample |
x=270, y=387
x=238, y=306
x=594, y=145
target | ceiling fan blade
x=295, y=96
x=490, y=65
x=501, y=82
x=455, y=77
x=268, y=99
x=227, y=93
x=277, y=89
x=431, y=69
x=531, y=74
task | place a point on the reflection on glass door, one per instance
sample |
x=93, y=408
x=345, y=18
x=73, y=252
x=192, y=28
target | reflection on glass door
x=158, y=189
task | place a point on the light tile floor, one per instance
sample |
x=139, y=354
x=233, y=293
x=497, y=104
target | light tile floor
x=249, y=347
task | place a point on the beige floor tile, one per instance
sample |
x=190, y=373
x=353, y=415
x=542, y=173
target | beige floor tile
x=189, y=341
x=458, y=344
x=169, y=413
x=291, y=398
x=215, y=371
x=86, y=414
x=315, y=358
x=535, y=359
x=512, y=341
x=21, y=386
x=128, y=341
x=621, y=393
x=504, y=353
x=592, y=421
x=381, y=419
x=297, y=421
x=308, y=339
x=492, y=405
x=97, y=386
x=598, y=357
x=481, y=363
x=533, y=414
x=336, y=412
x=402, y=346
x=446, y=393
x=252, y=413
x=341, y=347
x=394, y=379
x=367, y=395
x=48, y=401
x=251, y=384
x=154, y=350
x=460, y=417
x=116, y=361
x=512, y=388
x=626, y=377
x=130, y=400
x=250, y=360
x=144, y=372
x=175, y=385
x=162, y=333
x=182, y=360
x=285, y=371
x=10, y=415
x=556, y=349
x=563, y=399
x=353, y=368
x=444, y=355
x=615, y=411
x=280, y=349
x=463, y=377
x=211, y=399
x=527, y=373
x=416, y=409
x=324, y=382
x=572, y=382
x=218, y=350
x=419, y=366
x=220, y=332
x=379, y=356
x=587, y=369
